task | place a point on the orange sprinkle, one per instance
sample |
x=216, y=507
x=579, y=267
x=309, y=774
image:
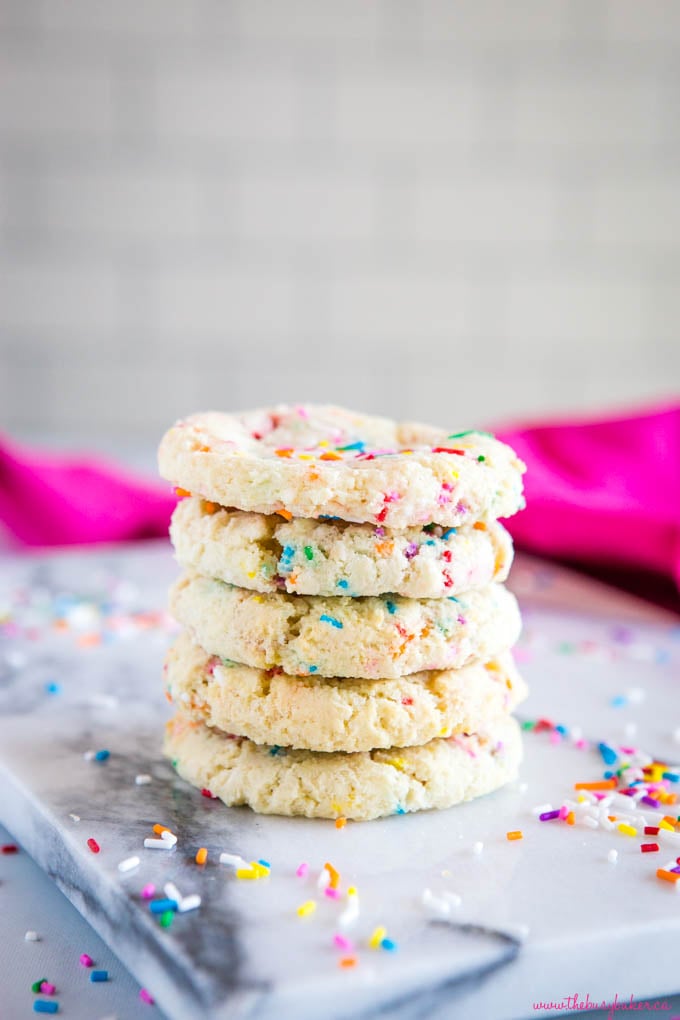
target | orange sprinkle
x=670, y=820
x=601, y=784
x=479, y=526
x=283, y=453
x=60, y=625
x=158, y=828
x=168, y=697
x=335, y=875
x=181, y=492
x=89, y=640
x=329, y=455
x=201, y=855
x=340, y=822
x=667, y=876
x=347, y=961
x=210, y=508
x=516, y=834
x=384, y=548
x=312, y=476
x=570, y=819
x=286, y=514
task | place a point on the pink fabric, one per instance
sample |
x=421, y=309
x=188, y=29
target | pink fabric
x=604, y=492
x=49, y=499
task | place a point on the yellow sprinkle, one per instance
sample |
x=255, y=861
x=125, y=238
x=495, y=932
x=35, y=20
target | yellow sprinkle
x=260, y=870
x=397, y=763
x=376, y=938
x=324, y=442
x=257, y=598
x=308, y=907
x=664, y=825
x=305, y=456
x=627, y=830
x=246, y=873
x=352, y=890
x=251, y=573
x=201, y=855
x=581, y=798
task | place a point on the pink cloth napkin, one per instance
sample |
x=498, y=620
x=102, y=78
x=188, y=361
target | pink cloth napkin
x=605, y=492
x=50, y=499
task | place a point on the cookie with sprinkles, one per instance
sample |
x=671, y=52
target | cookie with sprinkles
x=323, y=461
x=369, y=637
x=267, y=553
x=360, y=786
x=338, y=714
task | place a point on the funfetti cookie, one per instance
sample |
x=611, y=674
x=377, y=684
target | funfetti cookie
x=372, y=638
x=320, y=462
x=338, y=715
x=308, y=557
x=361, y=786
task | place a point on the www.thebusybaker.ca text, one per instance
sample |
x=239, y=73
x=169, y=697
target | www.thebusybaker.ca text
x=571, y=1003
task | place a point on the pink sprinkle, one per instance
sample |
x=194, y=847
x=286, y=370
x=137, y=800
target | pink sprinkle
x=86, y=960
x=555, y=737
x=581, y=744
x=564, y=811
x=148, y=892
x=146, y=996
x=47, y=989
x=342, y=942
x=302, y=869
x=333, y=894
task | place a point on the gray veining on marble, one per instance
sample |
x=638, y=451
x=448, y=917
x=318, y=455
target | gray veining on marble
x=525, y=905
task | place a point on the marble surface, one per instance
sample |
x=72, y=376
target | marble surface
x=539, y=919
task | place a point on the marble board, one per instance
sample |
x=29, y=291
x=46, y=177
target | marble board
x=517, y=924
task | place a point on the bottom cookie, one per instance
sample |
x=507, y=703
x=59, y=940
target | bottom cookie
x=359, y=786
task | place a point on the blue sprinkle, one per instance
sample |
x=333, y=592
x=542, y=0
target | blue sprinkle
x=672, y=777
x=430, y=541
x=353, y=446
x=103, y=975
x=325, y=618
x=619, y=701
x=343, y=584
x=274, y=750
x=609, y=774
x=313, y=669
x=52, y=687
x=327, y=517
x=449, y=532
x=156, y=907
x=452, y=598
x=389, y=945
x=609, y=755
x=562, y=729
x=265, y=864
x=102, y=755
x=42, y=1006
x=400, y=810
x=391, y=608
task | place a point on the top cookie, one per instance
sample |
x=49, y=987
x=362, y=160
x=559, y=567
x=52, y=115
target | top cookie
x=325, y=462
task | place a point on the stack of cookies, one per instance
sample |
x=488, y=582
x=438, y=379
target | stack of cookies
x=346, y=641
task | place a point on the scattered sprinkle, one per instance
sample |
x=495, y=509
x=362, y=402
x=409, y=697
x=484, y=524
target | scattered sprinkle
x=31, y=936
x=201, y=855
x=334, y=622
x=86, y=960
x=128, y=864
x=146, y=996
x=102, y=755
x=93, y=845
x=306, y=908
x=143, y=779
x=613, y=856
x=302, y=869
x=516, y=834
x=477, y=848
x=41, y=1006
x=99, y=975
x=340, y=822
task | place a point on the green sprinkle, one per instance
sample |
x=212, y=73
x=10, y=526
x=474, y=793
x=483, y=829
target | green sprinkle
x=528, y=725
x=480, y=458
x=309, y=552
x=166, y=919
x=35, y=987
x=471, y=432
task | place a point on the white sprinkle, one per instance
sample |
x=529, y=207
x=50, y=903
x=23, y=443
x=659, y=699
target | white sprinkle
x=541, y=809
x=323, y=881
x=234, y=860
x=89, y=755
x=128, y=864
x=350, y=913
x=169, y=837
x=676, y=738
x=613, y=856
x=453, y=898
x=142, y=779
x=158, y=844
x=103, y=700
x=630, y=729
x=636, y=695
x=434, y=905
x=31, y=936
x=172, y=892
x=576, y=733
x=591, y=822
x=188, y=903
x=16, y=659
x=76, y=818
x=477, y=847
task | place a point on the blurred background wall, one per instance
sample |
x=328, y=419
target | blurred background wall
x=458, y=210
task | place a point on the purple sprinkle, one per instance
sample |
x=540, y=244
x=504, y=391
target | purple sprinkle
x=676, y=869
x=380, y=532
x=650, y=800
x=411, y=550
x=547, y=816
